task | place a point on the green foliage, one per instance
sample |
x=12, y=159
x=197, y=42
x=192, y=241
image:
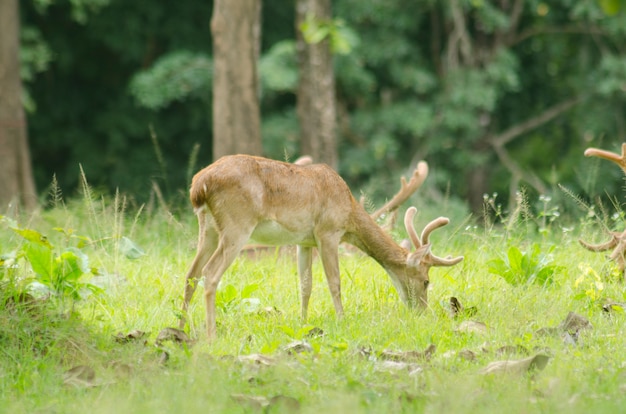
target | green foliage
x=612, y=76
x=589, y=286
x=278, y=68
x=173, y=77
x=411, y=83
x=369, y=361
x=342, y=39
x=533, y=266
x=229, y=299
x=59, y=271
x=611, y=7
x=35, y=58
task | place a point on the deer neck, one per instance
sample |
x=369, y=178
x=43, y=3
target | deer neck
x=374, y=241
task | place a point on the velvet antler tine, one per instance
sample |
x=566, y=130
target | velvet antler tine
x=433, y=225
x=608, y=155
x=406, y=190
x=409, y=225
x=600, y=247
x=444, y=261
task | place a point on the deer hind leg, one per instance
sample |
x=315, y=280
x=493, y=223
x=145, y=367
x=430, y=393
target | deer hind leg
x=305, y=262
x=207, y=242
x=230, y=244
x=330, y=260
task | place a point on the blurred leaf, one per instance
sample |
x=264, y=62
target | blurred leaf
x=278, y=68
x=34, y=236
x=68, y=267
x=610, y=7
x=174, y=77
x=81, y=376
x=130, y=249
x=41, y=260
x=250, y=305
x=247, y=291
x=517, y=367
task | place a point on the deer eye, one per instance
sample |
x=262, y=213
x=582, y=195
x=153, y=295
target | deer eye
x=426, y=283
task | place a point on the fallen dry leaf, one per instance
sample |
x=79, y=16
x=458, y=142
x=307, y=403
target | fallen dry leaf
x=613, y=307
x=283, y=404
x=457, y=309
x=574, y=322
x=258, y=359
x=365, y=351
x=408, y=356
x=269, y=311
x=164, y=356
x=395, y=366
x=278, y=403
x=131, y=336
x=297, y=347
x=511, y=350
x=472, y=327
x=120, y=368
x=256, y=402
x=467, y=355
x=517, y=367
x=569, y=330
x=315, y=332
x=80, y=376
x=175, y=335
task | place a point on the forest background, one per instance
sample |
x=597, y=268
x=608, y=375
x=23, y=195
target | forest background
x=495, y=95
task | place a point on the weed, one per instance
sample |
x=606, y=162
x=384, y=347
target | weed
x=229, y=299
x=528, y=267
x=58, y=271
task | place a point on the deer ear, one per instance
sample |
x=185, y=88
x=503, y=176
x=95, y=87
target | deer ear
x=406, y=244
x=418, y=255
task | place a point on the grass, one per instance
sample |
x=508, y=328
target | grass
x=344, y=372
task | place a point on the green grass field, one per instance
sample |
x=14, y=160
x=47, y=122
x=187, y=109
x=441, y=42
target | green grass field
x=61, y=356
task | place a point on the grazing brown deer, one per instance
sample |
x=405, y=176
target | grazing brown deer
x=240, y=198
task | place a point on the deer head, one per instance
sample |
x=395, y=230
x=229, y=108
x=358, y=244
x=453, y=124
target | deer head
x=412, y=285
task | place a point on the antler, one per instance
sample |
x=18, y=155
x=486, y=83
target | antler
x=607, y=155
x=424, y=242
x=602, y=247
x=617, y=243
x=406, y=190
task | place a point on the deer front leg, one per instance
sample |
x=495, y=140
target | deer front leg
x=305, y=263
x=330, y=260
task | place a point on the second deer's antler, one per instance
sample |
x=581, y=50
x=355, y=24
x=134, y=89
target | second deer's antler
x=617, y=243
x=406, y=190
x=608, y=155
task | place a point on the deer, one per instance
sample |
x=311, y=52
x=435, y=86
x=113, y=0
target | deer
x=240, y=198
x=617, y=242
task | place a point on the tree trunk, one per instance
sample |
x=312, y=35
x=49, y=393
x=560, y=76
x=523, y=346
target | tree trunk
x=16, y=176
x=236, y=30
x=316, y=105
x=477, y=186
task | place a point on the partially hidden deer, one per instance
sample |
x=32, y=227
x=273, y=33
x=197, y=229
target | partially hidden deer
x=240, y=198
x=617, y=242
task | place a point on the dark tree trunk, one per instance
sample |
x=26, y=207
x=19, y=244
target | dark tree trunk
x=16, y=176
x=316, y=89
x=235, y=27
